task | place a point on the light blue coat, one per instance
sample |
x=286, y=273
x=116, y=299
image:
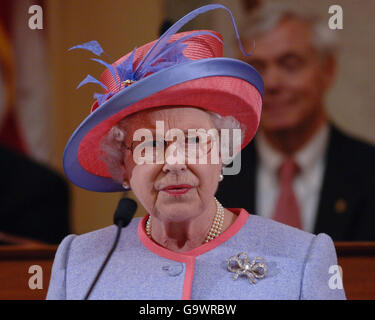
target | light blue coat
x=298, y=266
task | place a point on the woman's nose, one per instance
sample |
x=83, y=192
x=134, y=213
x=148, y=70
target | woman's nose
x=174, y=167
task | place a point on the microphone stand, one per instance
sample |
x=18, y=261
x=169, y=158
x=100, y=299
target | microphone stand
x=123, y=215
x=119, y=228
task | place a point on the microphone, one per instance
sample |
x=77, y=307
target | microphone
x=124, y=213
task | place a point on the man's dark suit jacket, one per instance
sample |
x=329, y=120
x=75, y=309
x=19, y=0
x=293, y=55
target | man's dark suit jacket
x=34, y=200
x=346, y=209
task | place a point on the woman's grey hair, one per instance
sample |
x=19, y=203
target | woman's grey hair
x=270, y=14
x=113, y=147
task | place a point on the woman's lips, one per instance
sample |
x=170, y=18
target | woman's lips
x=177, y=190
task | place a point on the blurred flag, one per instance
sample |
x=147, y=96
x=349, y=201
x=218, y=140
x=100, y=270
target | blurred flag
x=24, y=85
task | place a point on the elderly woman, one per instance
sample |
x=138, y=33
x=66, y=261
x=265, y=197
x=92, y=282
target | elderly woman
x=188, y=246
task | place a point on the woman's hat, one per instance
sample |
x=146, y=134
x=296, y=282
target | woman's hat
x=186, y=69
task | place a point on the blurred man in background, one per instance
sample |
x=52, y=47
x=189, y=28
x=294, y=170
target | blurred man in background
x=301, y=169
x=34, y=199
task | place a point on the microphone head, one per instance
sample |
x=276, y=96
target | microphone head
x=125, y=211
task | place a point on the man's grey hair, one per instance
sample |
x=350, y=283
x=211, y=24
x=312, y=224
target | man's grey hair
x=270, y=14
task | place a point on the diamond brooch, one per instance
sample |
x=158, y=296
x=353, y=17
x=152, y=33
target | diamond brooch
x=240, y=265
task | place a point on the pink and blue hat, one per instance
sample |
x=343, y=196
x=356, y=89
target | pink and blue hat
x=185, y=69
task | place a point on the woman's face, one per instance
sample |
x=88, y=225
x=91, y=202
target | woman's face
x=173, y=192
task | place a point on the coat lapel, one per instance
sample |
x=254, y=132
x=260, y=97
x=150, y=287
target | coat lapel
x=337, y=197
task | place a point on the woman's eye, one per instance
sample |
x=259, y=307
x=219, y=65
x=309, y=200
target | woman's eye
x=154, y=144
x=157, y=144
x=193, y=140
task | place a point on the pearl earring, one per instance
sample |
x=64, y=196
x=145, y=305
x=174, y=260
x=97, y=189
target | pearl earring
x=126, y=186
x=221, y=177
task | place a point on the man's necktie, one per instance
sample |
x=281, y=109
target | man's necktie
x=287, y=210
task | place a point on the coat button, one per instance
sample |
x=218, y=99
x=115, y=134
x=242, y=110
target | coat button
x=173, y=270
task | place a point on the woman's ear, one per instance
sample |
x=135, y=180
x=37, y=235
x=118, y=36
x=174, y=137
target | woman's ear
x=125, y=175
x=126, y=178
x=221, y=175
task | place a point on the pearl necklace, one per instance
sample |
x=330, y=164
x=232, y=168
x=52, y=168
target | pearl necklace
x=216, y=227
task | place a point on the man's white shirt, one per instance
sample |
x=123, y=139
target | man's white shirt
x=306, y=185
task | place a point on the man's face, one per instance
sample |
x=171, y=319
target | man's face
x=294, y=74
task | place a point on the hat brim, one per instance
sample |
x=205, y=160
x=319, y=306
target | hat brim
x=222, y=85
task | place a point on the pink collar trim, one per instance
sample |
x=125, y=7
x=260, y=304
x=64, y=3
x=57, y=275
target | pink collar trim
x=187, y=256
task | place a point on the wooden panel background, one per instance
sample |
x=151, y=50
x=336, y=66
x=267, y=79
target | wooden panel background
x=356, y=259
